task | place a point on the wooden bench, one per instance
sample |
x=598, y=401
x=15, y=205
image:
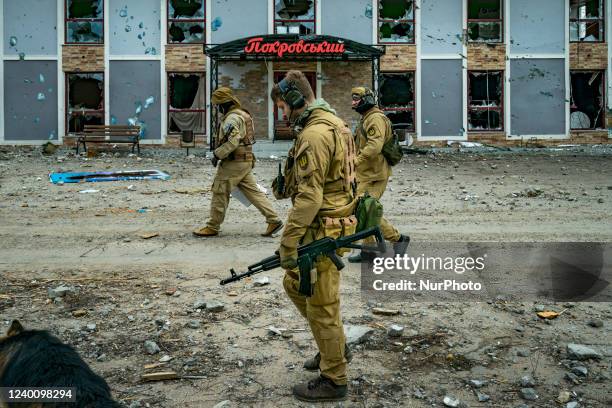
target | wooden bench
x=109, y=134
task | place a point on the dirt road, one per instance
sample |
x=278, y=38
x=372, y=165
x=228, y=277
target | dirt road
x=126, y=290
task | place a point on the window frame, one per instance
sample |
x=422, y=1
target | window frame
x=500, y=108
x=379, y=20
x=414, y=97
x=602, y=23
x=603, y=102
x=293, y=20
x=67, y=20
x=169, y=21
x=169, y=99
x=499, y=20
x=81, y=112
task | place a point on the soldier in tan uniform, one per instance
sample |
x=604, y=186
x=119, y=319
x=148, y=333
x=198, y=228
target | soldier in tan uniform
x=323, y=203
x=236, y=160
x=373, y=171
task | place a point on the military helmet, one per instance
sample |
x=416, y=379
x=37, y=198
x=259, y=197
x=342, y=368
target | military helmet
x=366, y=99
x=222, y=95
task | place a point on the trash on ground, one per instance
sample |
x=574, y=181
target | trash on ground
x=93, y=177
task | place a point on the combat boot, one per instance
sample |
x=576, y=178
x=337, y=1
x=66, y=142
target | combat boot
x=205, y=232
x=312, y=364
x=401, y=245
x=272, y=228
x=320, y=389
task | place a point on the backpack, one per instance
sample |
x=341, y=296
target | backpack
x=369, y=212
x=391, y=150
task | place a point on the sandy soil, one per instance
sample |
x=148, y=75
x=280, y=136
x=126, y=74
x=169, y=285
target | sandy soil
x=136, y=289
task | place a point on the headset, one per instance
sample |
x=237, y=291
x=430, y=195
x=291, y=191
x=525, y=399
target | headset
x=291, y=95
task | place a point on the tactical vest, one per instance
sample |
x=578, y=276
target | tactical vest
x=244, y=151
x=343, y=139
x=388, y=135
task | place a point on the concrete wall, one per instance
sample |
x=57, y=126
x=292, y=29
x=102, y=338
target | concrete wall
x=441, y=26
x=537, y=26
x=238, y=18
x=131, y=83
x=347, y=19
x=537, y=96
x=34, y=26
x=139, y=32
x=441, y=98
x=30, y=100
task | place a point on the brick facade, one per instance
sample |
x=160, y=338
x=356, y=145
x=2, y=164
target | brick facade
x=338, y=79
x=588, y=55
x=486, y=56
x=399, y=58
x=185, y=58
x=252, y=90
x=83, y=58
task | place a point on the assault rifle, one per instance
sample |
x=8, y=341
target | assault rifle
x=307, y=256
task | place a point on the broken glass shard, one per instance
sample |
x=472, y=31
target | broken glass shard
x=368, y=11
x=123, y=12
x=13, y=41
x=151, y=50
x=41, y=78
x=128, y=28
x=186, y=9
x=41, y=96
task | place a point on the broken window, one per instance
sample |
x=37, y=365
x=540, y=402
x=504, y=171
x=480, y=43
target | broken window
x=84, y=21
x=396, y=98
x=294, y=16
x=396, y=21
x=186, y=21
x=587, y=20
x=485, y=21
x=187, y=101
x=85, y=100
x=587, y=99
x=485, y=100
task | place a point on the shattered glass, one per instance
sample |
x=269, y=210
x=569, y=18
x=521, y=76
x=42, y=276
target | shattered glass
x=294, y=10
x=186, y=32
x=396, y=90
x=294, y=27
x=484, y=9
x=85, y=100
x=84, y=31
x=485, y=100
x=484, y=32
x=183, y=95
x=396, y=21
x=186, y=9
x=586, y=20
x=587, y=100
x=294, y=17
x=85, y=8
x=396, y=97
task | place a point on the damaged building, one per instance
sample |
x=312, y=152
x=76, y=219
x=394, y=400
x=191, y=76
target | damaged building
x=494, y=71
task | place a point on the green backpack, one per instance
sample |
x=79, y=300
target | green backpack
x=369, y=212
x=392, y=151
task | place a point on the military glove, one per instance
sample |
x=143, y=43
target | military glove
x=214, y=160
x=288, y=257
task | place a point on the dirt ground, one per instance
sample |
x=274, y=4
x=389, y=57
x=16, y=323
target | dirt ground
x=128, y=289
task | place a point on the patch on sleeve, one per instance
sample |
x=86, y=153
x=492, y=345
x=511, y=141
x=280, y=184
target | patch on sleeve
x=227, y=129
x=303, y=161
x=371, y=131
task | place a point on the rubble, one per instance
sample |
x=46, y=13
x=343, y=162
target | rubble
x=356, y=334
x=151, y=347
x=581, y=352
x=529, y=394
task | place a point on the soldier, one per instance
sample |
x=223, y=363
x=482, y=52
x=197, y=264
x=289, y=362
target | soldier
x=373, y=171
x=320, y=187
x=236, y=159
